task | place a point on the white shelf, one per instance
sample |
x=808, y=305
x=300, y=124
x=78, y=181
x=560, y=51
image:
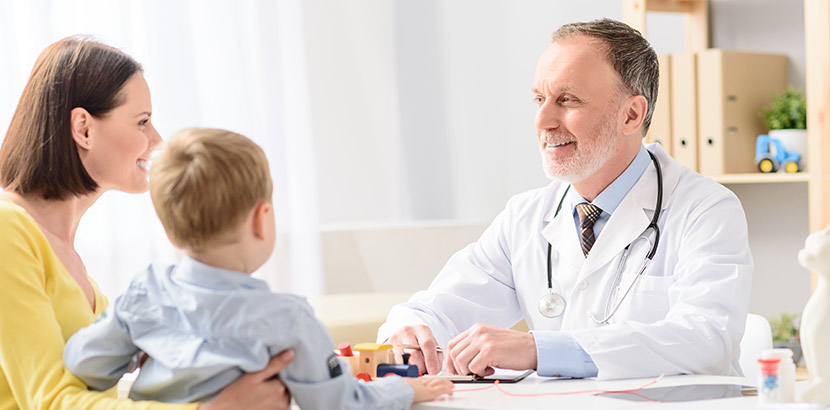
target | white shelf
x=759, y=178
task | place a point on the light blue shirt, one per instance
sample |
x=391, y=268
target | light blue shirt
x=609, y=199
x=558, y=353
x=202, y=327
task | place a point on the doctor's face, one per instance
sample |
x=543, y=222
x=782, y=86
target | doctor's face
x=578, y=94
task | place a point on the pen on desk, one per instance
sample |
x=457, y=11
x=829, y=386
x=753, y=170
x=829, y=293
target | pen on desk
x=416, y=347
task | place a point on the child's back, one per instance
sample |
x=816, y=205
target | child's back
x=202, y=327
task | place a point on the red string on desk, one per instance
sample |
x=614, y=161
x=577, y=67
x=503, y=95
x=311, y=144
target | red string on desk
x=496, y=385
x=476, y=389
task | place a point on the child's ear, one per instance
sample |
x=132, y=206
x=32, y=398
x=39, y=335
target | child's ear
x=261, y=215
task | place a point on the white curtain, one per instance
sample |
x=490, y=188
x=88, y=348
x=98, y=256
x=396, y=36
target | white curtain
x=238, y=65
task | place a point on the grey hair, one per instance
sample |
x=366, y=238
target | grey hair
x=630, y=54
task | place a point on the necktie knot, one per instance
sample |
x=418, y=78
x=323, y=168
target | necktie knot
x=588, y=214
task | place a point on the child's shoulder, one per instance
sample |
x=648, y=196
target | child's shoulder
x=145, y=287
x=270, y=312
x=289, y=304
x=149, y=279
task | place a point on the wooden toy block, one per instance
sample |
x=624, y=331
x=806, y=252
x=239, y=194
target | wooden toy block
x=371, y=355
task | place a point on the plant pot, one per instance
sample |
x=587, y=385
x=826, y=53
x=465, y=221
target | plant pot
x=793, y=140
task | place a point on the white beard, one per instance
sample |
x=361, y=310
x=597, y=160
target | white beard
x=586, y=160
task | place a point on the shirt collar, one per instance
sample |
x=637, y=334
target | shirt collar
x=609, y=199
x=197, y=273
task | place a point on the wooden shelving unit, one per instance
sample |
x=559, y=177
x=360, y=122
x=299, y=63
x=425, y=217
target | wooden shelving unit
x=696, y=12
x=759, y=178
x=817, y=38
x=817, y=48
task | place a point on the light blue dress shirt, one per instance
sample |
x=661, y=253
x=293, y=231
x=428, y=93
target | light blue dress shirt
x=202, y=327
x=558, y=353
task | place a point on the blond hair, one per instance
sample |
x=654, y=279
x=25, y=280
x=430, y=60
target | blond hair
x=205, y=183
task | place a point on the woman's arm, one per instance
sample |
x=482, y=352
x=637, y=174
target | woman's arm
x=256, y=391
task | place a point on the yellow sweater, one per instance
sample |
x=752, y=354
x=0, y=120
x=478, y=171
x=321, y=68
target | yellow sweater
x=41, y=306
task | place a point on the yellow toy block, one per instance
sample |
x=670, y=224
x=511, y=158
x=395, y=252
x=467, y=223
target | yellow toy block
x=371, y=355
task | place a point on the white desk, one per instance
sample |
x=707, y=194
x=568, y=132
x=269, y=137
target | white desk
x=493, y=399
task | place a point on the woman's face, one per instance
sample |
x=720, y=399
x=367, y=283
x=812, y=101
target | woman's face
x=121, y=142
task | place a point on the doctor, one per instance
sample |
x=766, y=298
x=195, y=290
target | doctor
x=626, y=265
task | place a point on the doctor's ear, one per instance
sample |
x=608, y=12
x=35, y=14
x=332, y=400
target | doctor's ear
x=634, y=110
x=80, y=120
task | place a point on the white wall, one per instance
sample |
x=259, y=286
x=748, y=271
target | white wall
x=778, y=225
x=422, y=110
x=354, y=107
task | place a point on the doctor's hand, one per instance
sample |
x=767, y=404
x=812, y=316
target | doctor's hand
x=428, y=359
x=481, y=347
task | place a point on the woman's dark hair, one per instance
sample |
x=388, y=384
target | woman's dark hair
x=39, y=155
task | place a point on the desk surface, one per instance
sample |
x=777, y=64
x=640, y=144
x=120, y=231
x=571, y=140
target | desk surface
x=493, y=399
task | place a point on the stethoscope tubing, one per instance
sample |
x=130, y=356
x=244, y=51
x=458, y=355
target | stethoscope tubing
x=646, y=261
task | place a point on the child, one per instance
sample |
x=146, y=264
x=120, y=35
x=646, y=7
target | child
x=205, y=322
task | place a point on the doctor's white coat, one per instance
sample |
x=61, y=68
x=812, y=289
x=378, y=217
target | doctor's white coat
x=685, y=315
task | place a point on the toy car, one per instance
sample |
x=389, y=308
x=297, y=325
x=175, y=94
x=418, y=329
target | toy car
x=770, y=156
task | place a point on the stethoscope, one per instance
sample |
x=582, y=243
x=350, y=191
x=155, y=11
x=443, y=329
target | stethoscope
x=552, y=304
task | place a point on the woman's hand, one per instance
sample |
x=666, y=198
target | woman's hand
x=256, y=391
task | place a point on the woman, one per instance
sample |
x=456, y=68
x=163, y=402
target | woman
x=82, y=127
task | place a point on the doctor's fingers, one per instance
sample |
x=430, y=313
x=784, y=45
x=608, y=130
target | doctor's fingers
x=426, y=356
x=429, y=350
x=448, y=367
x=486, y=345
x=415, y=358
x=461, y=353
x=453, y=349
x=482, y=363
x=405, y=336
x=476, y=359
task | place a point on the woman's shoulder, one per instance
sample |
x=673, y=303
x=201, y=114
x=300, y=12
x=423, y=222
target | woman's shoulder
x=16, y=223
x=12, y=213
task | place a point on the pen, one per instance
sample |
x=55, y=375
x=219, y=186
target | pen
x=416, y=347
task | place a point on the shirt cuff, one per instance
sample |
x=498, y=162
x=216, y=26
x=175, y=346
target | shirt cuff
x=559, y=354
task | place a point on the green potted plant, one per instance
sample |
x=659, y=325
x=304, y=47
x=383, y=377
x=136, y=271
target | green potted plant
x=785, y=333
x=786, y=119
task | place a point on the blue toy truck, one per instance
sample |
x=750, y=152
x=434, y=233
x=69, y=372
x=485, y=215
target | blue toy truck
x=770, y=156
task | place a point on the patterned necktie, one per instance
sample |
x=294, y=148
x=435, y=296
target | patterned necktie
x=588, y=214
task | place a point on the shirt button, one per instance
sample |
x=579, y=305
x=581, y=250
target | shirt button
x=583, y=285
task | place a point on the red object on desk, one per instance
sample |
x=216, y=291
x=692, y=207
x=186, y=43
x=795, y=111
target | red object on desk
x=345, y=349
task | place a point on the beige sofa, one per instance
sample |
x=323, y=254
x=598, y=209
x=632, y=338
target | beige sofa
x=367, y=269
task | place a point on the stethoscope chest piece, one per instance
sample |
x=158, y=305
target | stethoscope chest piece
x=551, y=304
